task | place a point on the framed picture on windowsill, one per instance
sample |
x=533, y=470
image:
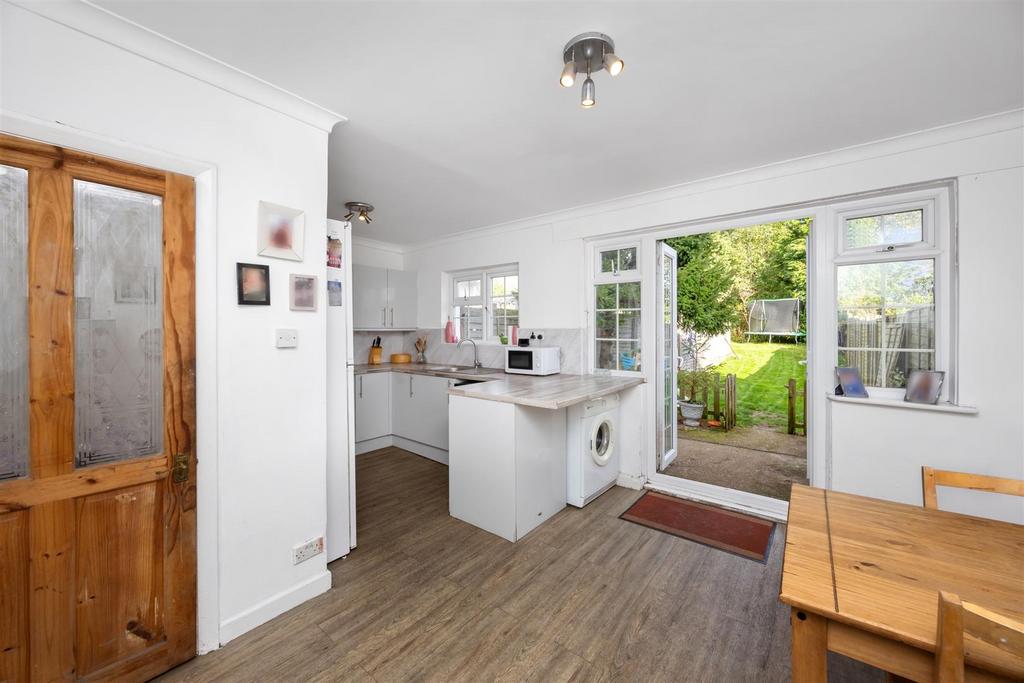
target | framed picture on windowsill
x=924, y=386
x=850, y=383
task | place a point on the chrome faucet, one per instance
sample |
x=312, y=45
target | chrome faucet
x=476, y=355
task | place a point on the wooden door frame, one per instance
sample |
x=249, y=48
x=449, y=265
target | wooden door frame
x=49, y=503
x=207, y=485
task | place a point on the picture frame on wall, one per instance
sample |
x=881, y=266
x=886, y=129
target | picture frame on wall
x=303, y=292
x=280, y=231
x=253, y=284
x=924, y=386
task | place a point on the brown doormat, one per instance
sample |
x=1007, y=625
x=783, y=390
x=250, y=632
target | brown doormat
x=733, y=532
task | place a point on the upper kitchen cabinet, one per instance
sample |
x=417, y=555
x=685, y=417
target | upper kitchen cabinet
x=383, y=299
x=402, y=296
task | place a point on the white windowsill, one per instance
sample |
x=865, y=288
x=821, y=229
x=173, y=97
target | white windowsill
x=890, y=403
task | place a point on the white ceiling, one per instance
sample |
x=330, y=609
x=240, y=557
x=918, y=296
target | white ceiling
x=456, y=120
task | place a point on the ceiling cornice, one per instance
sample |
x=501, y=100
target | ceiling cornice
x=87, y=18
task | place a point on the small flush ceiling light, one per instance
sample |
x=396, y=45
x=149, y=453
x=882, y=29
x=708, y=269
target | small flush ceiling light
x=586, y=53
x=359, y=210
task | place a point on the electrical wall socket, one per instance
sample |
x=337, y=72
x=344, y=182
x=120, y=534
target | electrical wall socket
x=304, y=551
x=286, y=339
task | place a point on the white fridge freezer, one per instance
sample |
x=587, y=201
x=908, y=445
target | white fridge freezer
x=341, y=476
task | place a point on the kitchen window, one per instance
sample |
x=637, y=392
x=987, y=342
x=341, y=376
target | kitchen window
x=485, y=303
x=617, y=326
x=615, y=301
x=892, y=291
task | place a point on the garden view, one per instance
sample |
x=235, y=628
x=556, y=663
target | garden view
x=720, y=276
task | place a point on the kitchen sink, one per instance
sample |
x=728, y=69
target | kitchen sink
x=462, y=369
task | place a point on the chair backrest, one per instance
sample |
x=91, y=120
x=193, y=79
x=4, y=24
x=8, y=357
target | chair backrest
x=931, y=478
x=957, y=618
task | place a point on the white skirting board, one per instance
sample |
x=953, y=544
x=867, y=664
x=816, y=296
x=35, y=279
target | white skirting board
x=631, y=481
x=273, y=606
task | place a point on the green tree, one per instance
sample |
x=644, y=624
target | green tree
x=707, y=301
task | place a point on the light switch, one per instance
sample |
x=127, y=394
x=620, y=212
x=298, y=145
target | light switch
x=287, y=339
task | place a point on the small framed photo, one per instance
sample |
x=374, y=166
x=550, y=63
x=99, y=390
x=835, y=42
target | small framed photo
x=253, y=284
x=924, y=386
x=303, y=292
x=280, y=231
x=334, y=297
x=850, y=383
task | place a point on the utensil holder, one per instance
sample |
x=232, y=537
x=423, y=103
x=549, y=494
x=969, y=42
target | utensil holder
x=375, y=355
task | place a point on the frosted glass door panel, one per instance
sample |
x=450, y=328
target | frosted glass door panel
x=118, y=324
x=14, y=329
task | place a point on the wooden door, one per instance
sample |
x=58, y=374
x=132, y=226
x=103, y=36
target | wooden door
x=97, y=417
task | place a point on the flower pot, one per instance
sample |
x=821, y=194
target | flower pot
x=692, y=412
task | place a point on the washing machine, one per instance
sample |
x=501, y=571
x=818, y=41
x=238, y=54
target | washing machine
x=592, y=465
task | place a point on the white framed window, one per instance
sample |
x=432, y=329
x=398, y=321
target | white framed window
x=893, y=289
x=615, y=305
x=618, y=262
x=485, y=302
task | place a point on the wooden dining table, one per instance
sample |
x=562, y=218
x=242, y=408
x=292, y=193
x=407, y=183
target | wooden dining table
x=862, y=578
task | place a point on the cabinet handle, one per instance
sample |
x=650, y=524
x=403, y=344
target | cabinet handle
x=360, y=386
x=410, y=386
x=384, y=316
x=392, y=317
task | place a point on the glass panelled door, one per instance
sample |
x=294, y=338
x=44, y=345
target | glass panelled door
x=97, y=417
x=667, y=355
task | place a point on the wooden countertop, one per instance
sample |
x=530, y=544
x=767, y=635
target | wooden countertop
x=878, y=566
x=552, y=392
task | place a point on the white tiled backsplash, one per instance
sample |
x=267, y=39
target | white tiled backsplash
x=491, y=355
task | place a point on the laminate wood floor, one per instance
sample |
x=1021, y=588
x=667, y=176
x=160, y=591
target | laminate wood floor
x=585, y=597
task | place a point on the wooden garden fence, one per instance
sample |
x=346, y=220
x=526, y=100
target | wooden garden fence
x=796, y=394
x=717, y=395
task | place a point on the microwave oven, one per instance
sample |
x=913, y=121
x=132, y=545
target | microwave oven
x=529, y=360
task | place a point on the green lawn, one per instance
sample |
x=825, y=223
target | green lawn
x=762, y=371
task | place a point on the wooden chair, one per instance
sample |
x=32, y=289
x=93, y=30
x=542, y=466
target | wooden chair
x=957, y=618
x=930, y=478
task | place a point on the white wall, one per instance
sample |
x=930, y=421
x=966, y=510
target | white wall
x=367, y=252
x=873, y=451
x=261, y=441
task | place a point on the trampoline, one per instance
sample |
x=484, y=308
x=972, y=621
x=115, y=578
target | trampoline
x=774, y=318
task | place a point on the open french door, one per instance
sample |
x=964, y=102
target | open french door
x=667, y=355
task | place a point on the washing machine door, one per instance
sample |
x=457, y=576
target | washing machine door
x=602, y=441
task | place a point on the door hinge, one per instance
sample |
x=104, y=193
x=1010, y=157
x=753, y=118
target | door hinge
x=179, y=472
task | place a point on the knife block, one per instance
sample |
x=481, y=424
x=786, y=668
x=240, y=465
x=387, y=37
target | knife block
x=375, y=355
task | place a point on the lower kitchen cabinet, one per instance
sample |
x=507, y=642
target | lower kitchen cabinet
x=373, y=405
x=419, y=408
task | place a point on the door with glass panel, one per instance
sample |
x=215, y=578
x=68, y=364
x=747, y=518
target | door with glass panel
x=668, y=355
x=97, y=417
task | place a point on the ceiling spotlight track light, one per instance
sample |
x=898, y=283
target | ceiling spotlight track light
x=359, y=210
x=586, y=53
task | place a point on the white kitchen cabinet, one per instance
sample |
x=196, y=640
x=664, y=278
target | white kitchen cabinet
x=506, y=465
x=369, y=297
x=419, y=408
x=383, y=299
x=373, y=405
x=402, y=299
